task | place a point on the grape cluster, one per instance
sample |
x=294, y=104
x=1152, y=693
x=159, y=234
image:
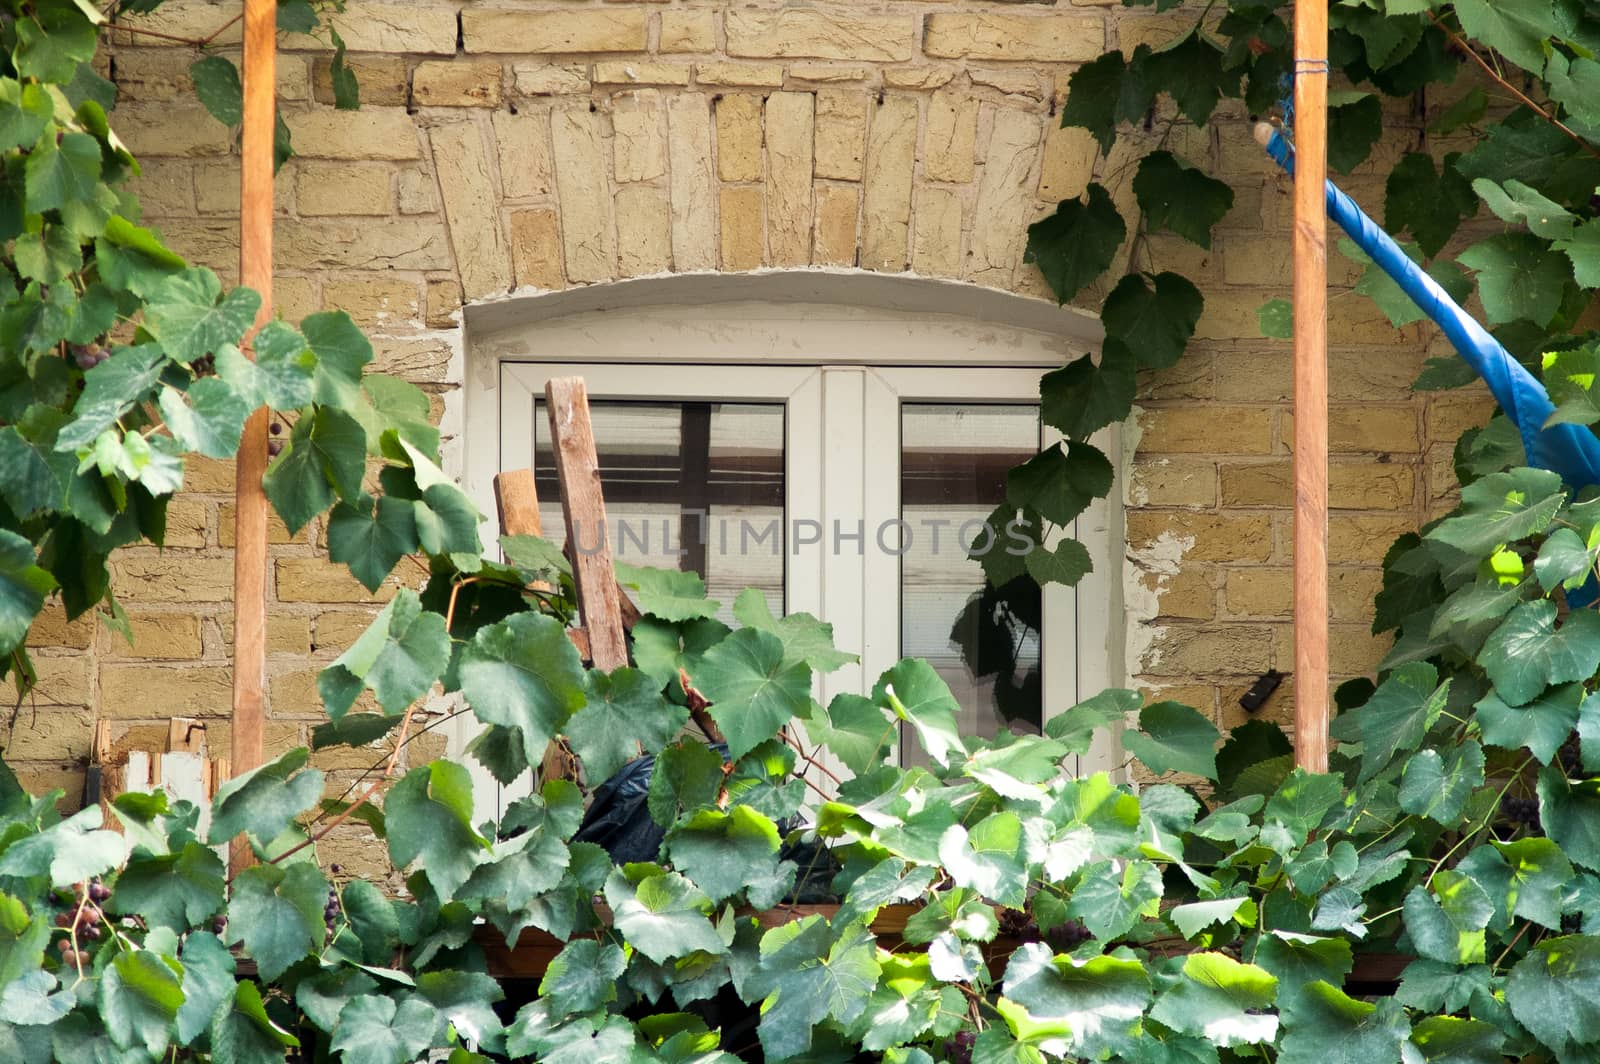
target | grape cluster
x=1064, y=938
x=1014, y=923
x=958, y=1050
x=204, y=366
x=1570, y=756
x=88, y=356
x=1521, y=810
x=83, y=918
x=332, y=911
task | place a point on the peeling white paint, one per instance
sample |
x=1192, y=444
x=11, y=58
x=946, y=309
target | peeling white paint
x=1145, y=580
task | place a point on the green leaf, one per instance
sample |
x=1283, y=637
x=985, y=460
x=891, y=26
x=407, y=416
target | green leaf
x=1297, y=960
x=1096, y=1003
x=217, y=84
x=723, y=852
x=208, y=981
x=264, y=801
x=1583, y=249
x=1433, y=986
x=1437, y=788
x=1174, y=738
x=754, y=692
x=1275, y=319
x=24, y=111
x=1324, y=1025
x=398, y=658
x=429, y=819
x=1060, y=484
x=465, y=1001
x=625, y=715
x=1174, y=195
x=1541, y=725
x=191, y=317
x=208, y=418
x=855, y=730
x=1520, y=204
x=140, y=994
x=110, y=390
x=1563, y=560
x=1516, y=29
x=524, y=673
x=1081, y=398
x=667, y=593
x=297, y=16
x=1430, y=203
x=49, y=256
x=23, y=586
x=1395, y=718
x=1453, y=1040
x=374, y=1029
x=1376, y=284
x=283, y=370
x=1155, y=322
x=1538, y=881
x=1075, y=727
x=1554, y=991
x=1221, y=1000
x=1076, y=244
x=372, y=921
x=1570, y=814
x=178, y=891
x=342, y=351
x=662, y=916
x=1448, y=924
x=243, y=1033
x=23, y=939
x=583, y=976
x=276, y=911
x=1195, y=917
x=371, y=536
x=1501, y=508
x=1110, y=900
x=809, y=976
x=687, y=776
x=52, y=44
x=60, y=175
x=1527, y=652
x=1066, y=564
x=1093, y=93
x=989, y=859
x=804, y=637
x=346, y=91
x=1354, y=126
x=917, y=694
x=326, y=453
x=1303, y=800
x=1192, y=72
x=1519, y=277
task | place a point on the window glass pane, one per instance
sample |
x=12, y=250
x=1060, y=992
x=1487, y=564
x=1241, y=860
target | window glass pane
x=690, y=486
x=982, y=639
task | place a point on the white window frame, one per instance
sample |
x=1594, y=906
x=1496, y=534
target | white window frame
x=834, y=363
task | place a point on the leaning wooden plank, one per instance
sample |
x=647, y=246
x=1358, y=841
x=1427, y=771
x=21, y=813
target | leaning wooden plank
x=584, y=508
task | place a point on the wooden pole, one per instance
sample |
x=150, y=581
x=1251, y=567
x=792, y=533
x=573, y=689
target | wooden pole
x=250, y=514
x=1311, y=386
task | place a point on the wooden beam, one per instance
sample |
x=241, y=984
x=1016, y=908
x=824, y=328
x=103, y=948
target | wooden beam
x=250, y=521
x=588, y=537
x=518, y=502
x=1311, y=386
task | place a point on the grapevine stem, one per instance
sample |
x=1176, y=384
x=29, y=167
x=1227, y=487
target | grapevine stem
x=1512, y=944
x=1521, y=97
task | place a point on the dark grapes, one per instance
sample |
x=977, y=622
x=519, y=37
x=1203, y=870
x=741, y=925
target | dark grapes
x=1570, y=756
x=274, y=447
x=332, y=911
x=88, y=356
x=1521, y=810
x=1014, y=923
x=1064, y=938
x=275, y=428
x=958, y=1050
x=99, y=892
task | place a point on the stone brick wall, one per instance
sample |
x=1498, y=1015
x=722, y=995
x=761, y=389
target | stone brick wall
x=552, y=143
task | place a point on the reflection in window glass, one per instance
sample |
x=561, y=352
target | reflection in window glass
x=983, y=640
x=692, y=486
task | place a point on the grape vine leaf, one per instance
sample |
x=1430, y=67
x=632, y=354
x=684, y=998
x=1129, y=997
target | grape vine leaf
x=24, y=111
x=342, y=349
x=1447, y=924
x=371, y=536
x=722, y=852
x=110, y=390
x=753, y=690
x=1518, y=204
x=1192, y=72
x=1058, y=483
x=1076, y=244
x=243, y=1033
x=989, y=859
x=917, y=694
x=140, y=994
x=1554, y=991
x=808, y=975
x=1455, y=1040
x=23, y=585
x=1541, y=725
x=1501, y=508
x=1154, y=316
x=276, y=911
x=1395, y=718
x=1430, y=203
x=280, y=376
x=804, y=637
x=192, y=317
x=326, y=454
x=1519, y=277
x=1355, y=122
x=663, y=915
x=668, y=594
x=207, y=418
x=1110, y=900
x=1434, y=787
x=208, y=981
x=171, y=890
x=583, y=976
x=375, y=1029
x=398, y=658
x=624, y=714
x=1083, y=397
x=1527, y=652
x=217, y=84
x=429, y=818
x=1517, y=29
x=1098, y=1001
x=1221, y=1000
x=1093, y=92
x=1174, y=738
x=523, y=673
x=261, y=803
x=1324, y=1025
x=1177, y=196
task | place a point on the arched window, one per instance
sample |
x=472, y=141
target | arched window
x=835, y=440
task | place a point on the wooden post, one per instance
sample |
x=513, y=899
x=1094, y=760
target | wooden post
x=250, y=521
x=584, y=507
x=1311, y=386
